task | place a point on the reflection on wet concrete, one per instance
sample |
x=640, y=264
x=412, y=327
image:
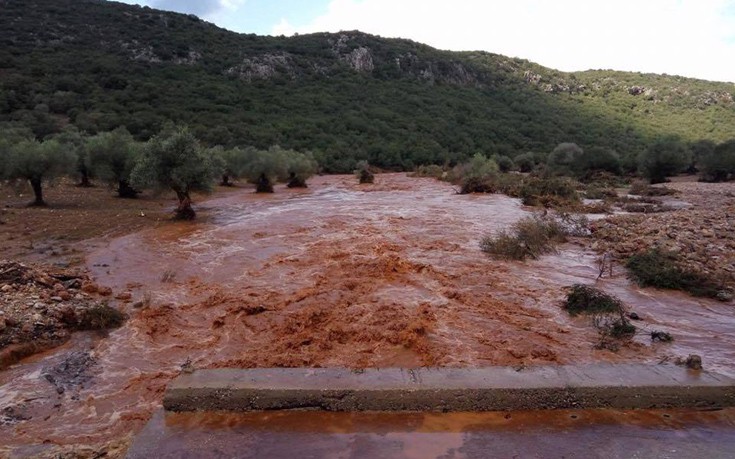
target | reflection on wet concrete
x=556, y=434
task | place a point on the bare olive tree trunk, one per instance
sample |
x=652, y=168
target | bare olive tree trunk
x=263, y=185
x=124, y=190
x=184, y=211
x=84, y=183
x=38, y=192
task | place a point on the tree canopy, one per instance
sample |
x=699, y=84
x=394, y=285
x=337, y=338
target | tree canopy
x=664, y=158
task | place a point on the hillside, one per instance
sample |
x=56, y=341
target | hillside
x=347, y=96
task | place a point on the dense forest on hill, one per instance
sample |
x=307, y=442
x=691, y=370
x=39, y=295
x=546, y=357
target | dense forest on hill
x=346, y=97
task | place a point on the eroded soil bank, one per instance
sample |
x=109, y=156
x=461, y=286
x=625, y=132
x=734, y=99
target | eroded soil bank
x=340, y=274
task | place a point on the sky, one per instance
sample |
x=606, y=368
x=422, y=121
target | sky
x=694, y=38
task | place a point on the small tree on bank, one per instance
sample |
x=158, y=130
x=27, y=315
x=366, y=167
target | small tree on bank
x=112, y=156
x=175, y=160
x=37, y=162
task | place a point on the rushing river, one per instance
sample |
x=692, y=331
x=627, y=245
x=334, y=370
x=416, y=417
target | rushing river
x=336, y=275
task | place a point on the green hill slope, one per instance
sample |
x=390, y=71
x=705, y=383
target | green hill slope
x=347, y=96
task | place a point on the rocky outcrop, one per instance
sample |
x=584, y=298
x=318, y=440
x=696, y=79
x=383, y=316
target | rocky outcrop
x=141, y=53
x=191, y=58
x=430, y=71
x=263, y=67
x=714, y=98
x=360, y=59
x=531, y=77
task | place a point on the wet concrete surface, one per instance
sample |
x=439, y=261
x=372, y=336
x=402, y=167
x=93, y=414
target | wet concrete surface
x=560, y=434
x=450, y=389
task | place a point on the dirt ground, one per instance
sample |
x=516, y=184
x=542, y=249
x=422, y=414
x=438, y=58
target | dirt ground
x=75, y=214
x=702, y=234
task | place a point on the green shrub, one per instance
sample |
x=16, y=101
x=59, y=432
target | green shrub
x=608, y=314
x=641, y=188
x=432, y=170
x=100, y=317
x=585, y=299
x=621, y=328
x=530, y=237
x=600, y=193
x=476, y=176
x=549, y=192
x=655, y=268
x=505, y=163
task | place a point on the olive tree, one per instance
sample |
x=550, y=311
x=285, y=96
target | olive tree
x=299, y=167
x=234, y=162
x=266, y=167
x=175, y=160
x=112, y=156
x=37, y=162
x=665, y=157
x=596, y=159
x=72, y=139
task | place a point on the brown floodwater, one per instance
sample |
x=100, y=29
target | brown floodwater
x=603, y=434
x=339, y=274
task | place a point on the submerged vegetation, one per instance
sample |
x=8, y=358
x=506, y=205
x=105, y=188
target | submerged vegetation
x=530, y=237
x=585, y=299
x=656, y=268
x=609, y=314
x=363, y=173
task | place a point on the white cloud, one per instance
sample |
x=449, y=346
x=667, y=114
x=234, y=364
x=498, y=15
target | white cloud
x=207, y=9
x=283, y=28
x=684, y=37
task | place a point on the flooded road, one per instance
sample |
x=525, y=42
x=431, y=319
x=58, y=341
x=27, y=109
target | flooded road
x=603, y=434
x=340, y=274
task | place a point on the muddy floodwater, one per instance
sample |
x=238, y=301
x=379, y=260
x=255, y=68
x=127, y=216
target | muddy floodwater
x=339, y=274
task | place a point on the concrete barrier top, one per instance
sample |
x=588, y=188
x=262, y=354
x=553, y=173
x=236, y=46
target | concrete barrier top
x=450, y=389
x=600, y=375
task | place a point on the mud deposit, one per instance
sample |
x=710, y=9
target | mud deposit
x=340, y=274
